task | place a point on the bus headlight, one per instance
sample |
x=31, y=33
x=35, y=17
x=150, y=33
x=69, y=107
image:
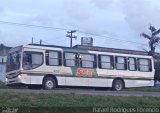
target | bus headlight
x=19, y=76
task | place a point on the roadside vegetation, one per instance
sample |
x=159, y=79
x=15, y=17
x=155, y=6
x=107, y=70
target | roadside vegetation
x=60, y=103
x=2, y=85
x=144, y=89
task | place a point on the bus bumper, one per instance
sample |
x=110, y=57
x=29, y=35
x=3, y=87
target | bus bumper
x=17, y=80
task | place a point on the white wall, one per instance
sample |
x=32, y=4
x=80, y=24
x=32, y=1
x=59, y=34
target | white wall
x=3, y=67
x=2, y=71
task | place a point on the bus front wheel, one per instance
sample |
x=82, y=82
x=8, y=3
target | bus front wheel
x=49, y=83
x=118, y=85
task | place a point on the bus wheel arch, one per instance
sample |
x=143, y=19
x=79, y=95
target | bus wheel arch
x=118, y=84
x=49, y=82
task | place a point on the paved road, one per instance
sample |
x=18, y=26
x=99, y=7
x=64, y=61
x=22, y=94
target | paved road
x=83, y=92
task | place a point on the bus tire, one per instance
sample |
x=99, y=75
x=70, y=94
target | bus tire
x=118, y=85
x=49, y=83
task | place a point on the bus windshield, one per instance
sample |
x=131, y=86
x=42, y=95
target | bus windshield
x=13, y=61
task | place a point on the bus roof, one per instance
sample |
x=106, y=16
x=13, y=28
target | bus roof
x=96, y=48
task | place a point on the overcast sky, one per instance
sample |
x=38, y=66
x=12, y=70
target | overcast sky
x=113, y=23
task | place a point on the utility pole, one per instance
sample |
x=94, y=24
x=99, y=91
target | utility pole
x=40, y=42
x=70, y=35
x=32, y=40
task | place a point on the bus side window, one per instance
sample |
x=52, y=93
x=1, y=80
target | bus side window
x=32, y=60
x=132, y=65
x=70, y=59
x=88, y=60
x=27, y=59
x=53, y=58
x=106, y=62
x=121, y=63
x=144, y=65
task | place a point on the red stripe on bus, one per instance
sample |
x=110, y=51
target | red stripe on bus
x=36, y=71
x=123, y=76
x=66, y=73
x=45, y=72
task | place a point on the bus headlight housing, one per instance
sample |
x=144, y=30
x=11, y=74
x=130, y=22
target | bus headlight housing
x=19, y=76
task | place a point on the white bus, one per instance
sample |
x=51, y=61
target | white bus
x=52, y=66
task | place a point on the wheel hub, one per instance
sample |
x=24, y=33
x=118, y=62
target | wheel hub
x=118, y=86
x=49, y=84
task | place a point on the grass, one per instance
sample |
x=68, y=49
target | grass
x=61, y=103
x=73, y=103
x=61, y=100
x=144, y=89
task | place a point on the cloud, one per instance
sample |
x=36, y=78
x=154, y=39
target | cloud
x=38, y=20
x=1, y=10
x=78, y=10
x=101, y=17
x=5, y=38
x=102, y=4
x=141, y=13
x=0, y=34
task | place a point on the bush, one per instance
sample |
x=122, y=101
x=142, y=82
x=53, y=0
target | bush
x=2, y=85
x=157, y=69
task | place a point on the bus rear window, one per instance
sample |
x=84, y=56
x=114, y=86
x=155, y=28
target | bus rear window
x=32, y=60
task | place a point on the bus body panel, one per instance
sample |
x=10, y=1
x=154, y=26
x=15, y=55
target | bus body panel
x=78, y=76
x=138, y=83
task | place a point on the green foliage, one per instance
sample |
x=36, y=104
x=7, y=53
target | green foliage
x=61, y=100
x=2, y=85
x=70, y=103
x=157, y=69
x=144, y=89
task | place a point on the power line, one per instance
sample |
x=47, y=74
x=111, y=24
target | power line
x=33, y=26
x=112, y=38
x=63, y=29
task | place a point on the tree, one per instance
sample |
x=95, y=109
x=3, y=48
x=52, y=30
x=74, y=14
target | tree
x=153, y=39
x=153, y=42
x=157, y=69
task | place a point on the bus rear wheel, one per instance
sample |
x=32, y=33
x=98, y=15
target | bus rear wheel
x=118, y=85
x=49, y=83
